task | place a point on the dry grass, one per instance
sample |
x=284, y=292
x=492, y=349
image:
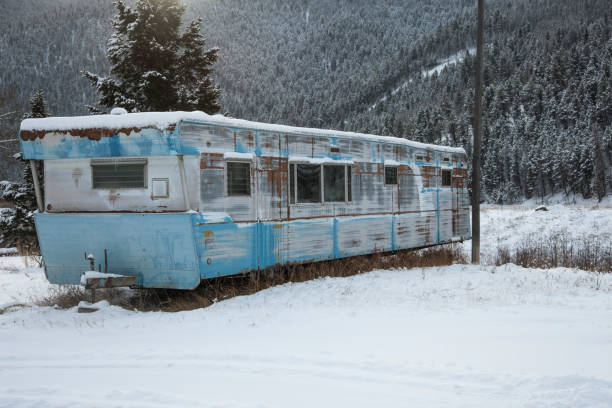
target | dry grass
x=217, y=289
x=67, y=296
x=214, y=290
x=589, y=254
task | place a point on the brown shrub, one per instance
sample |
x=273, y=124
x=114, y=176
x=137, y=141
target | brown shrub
x=67, y=296
x=559, y=250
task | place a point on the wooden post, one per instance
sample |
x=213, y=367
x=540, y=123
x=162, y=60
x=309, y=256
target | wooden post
x=477, y=137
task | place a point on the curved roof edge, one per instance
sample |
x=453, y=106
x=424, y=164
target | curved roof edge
x=165, y=120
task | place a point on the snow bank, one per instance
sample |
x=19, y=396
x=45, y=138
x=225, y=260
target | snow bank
x=462, y=335
x=20, y=283
x=451, y=336
x=509, y=226
x=8, y=251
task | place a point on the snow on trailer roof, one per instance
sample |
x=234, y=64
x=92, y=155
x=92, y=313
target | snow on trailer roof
x=165, y=120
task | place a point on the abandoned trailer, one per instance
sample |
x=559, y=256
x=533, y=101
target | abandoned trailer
x=172, y=198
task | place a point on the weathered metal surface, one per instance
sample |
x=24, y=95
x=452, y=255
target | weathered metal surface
x=232, y=234
x=158, y=249
x=143, y=143
x=114, y=282
x=68, y=187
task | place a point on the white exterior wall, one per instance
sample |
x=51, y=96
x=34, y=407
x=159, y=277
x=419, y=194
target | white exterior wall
x=68, y=187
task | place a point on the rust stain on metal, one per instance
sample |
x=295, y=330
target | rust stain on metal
x=429, y=155
x=91, y=134
x=313, y=144
x=207, y=233
x=99, y=283
x=459, y=178
x=428, y=175
x=212, y=161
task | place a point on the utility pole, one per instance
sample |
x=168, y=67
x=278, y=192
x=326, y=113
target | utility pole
x=477, y=137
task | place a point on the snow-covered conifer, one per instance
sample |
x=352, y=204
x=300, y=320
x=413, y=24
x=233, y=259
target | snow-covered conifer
x=17, y=227
x=153, y=66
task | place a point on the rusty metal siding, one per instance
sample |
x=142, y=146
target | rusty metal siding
x=426, y=213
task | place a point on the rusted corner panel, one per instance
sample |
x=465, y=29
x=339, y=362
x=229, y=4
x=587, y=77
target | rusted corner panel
x=116, y=282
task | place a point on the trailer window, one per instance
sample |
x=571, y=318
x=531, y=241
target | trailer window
x=118, y=174
x=391, y=176
x=238, y=178
x=334, y=183
x=446, y=178
x=308, y=183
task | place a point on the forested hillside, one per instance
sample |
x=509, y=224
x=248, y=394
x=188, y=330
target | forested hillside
x=358, y=65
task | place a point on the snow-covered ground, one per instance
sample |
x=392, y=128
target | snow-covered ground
x=509, y=226
x=461, y=335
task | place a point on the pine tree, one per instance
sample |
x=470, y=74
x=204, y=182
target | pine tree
x=153, y=66
x=38, y=106
x=17, y=227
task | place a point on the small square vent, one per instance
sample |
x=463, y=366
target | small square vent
x=159, y=188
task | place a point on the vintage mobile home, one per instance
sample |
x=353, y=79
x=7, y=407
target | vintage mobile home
x=174, y=198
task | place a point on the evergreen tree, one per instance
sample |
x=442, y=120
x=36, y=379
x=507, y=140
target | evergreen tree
x=153, y=66
x=38, y=106
x=17, y=227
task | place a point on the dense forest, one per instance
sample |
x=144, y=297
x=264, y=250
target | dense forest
x=359, y=65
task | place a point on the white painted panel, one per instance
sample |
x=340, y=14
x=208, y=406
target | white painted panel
x=68, y=187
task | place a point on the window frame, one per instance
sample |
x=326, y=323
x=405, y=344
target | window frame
x=420, y=158
x=450, y=178
x=93, y=163
x=345, y=182
x=226, y=177
x=395, y=168
x=293, y=200
x=292, y=183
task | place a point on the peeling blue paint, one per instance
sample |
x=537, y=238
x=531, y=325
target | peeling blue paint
x=146, y=142
x=257, y=146
x=156, y=248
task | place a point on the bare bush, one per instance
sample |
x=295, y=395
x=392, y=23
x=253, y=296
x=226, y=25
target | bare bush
x=68, y=296
x=559, y=250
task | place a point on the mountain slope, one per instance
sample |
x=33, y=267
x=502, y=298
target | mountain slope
x=324, y=63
